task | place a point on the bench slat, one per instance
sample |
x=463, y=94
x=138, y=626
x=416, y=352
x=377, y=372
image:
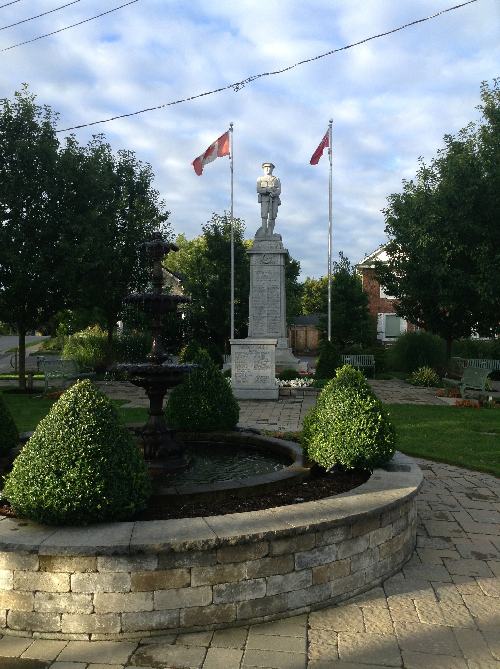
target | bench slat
x=359, y=360
x=59, y=368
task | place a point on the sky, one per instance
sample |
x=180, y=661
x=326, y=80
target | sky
x=391, y=99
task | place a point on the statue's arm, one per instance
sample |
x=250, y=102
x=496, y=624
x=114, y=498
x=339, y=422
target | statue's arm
x=261, y=190
x=277, y=187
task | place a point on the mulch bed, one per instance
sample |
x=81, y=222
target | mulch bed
x=318, y=486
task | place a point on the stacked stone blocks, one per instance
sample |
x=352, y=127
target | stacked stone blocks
x=105, y=597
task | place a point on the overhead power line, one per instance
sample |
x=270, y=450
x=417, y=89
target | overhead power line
x=73, y=25
x=39, y=15
x=240, y=84
x=13, y=2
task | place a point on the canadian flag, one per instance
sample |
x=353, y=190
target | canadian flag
x=216, y=150
x=321, y=147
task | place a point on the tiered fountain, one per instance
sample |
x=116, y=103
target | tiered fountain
x=219, y=462
x=162, y=452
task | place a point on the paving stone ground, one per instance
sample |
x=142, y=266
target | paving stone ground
x=441, y=611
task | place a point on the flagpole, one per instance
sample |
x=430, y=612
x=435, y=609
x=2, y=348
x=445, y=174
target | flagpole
x=232, y=227
x=330, y=210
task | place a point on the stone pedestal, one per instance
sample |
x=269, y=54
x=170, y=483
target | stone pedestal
x=253, y=369
x=267, y=309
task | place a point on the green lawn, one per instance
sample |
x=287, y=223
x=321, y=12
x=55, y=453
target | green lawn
x=458, y=436
x=28, y=410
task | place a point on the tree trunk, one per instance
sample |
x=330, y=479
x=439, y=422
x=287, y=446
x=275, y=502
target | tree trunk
x=22, y=358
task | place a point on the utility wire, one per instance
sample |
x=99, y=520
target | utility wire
x=240, y=84
x=54, y=32
x=9, y=3
x=39, y=15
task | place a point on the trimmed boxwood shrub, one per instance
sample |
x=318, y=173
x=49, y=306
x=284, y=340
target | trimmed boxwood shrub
x=80, y=466
x=9, y=436
x=348, y=427
x=190, y=352
x=349, y=377
x=204, y=401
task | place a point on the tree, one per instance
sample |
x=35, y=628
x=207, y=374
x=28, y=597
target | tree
x=71, y=222
x=314, y=299
x=293, y=288
x=116, y=209
x=351, y=320
x=444, y=238
x=204, y=263
x=32, y=242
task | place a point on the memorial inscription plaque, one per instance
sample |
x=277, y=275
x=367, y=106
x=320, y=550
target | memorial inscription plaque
x=253, y=368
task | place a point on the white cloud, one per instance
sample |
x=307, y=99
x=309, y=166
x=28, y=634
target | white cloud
x=391, y=99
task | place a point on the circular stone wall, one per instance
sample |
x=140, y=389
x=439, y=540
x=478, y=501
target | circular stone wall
x=130, y=580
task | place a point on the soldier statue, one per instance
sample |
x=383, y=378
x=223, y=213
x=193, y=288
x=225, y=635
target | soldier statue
x=269, y=189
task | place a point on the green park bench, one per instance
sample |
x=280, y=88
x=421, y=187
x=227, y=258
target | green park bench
x=473, y=378
x=58, y=369
x=484, y=363
x=360, y=361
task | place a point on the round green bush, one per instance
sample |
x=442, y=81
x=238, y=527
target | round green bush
x=288, y=375
x=328, y=360
x=425, y=376
x=348, y=428
x=417, y=349
x=90, y=348
x=9, y=436
x=349, y=377
x=204, y=401
x=80, y=466
x=191, y=351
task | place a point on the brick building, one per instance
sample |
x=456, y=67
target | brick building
x=382, y=306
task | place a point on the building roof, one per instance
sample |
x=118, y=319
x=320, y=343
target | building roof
x=309, y=319
x=368, y=261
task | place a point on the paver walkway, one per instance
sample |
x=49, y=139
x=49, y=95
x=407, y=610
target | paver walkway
x=285, y=414
x=395, y=391
x=441, y=611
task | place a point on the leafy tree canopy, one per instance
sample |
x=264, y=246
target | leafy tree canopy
x=351, y=320
x=444, y=237
x=204, y=265
x=71, y=221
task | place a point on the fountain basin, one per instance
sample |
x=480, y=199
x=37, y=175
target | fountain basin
x=136, y=579
x=281, y=463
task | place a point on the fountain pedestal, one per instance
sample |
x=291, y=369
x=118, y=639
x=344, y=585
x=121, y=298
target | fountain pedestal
x=162, y=451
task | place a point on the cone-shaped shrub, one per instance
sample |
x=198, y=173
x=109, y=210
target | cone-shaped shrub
x=348, y=377
x=80, y=466
x=328, y=360
x=9, y=436
x=348, y=426
x=204, y=401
